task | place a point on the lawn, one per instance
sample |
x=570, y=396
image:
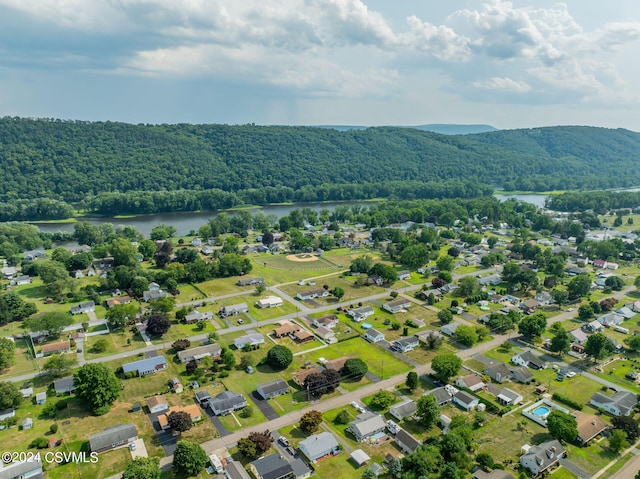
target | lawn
x=296, y=348
x=277, y=269
x=592, y=458
x=615, y=372
x=24, y=364
x=256, y=313
x=562, y=473
x=352, y=292
x=189, y=292
x=117, y=342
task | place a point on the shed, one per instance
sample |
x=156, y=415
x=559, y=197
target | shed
x=359, y=457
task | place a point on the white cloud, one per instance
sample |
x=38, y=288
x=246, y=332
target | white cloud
x=503, y=84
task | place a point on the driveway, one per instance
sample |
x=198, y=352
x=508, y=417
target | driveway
x=223, y=431
x=165, y=438
x=581, y=473
x=264, y=406
x=140, y=449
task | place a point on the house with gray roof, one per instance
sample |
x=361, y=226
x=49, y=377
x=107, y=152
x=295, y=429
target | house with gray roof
x=396, y=305
x=234, y=309
x=406, y=442
x=249, y=340
x=403, y=409
x=505, y=396
x=235, y=470
x=86, y=307
x=145, y=366
x=273, y=388
x=226, y=402
x=620, y=404
x=529, y=360
x=200, y=352
x=271, y=467
x=360, y=314
x=450, y=329
x=31, y=469
x=522, y=375
x=495, y=474
x=499, y=372
x=625, y=312
x=404, y=345
x=373, y=335
x=538, y=459
x=64, y=385
x=41, y=398
x=442, y=395
x=113, y=437
x=320, y=445
x=366, y=425
x=465, y=400
x=610, y=319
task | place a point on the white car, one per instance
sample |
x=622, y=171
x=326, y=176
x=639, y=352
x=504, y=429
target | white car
x=570, y=374
x=570, y=309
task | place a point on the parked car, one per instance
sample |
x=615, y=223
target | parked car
x=132, y=446
x=560, y=378
x=240, y=321
x=570, y=374
x=291, y=450
x=284, y=441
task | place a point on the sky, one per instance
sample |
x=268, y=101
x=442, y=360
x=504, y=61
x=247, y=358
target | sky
x=517, y=64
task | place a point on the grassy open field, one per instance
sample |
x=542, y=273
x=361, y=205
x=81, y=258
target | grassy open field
x=352, y=292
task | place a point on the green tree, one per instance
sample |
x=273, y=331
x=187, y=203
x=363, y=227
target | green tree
x=467, y=286
x=361, y=264
x=189, y=458
x=228, y=358
x=560, y=296
x=562, y=426
x=633, y=343
x=338, y=292
x=427, y=410
x=97, y=386
x=533, y=326
x=279, y=357
x=124, y=253
x=412, y=380
x=585, y=312
x=446, y=366
x=247, y=447
x=14, y=308
x=9, y=395
x=382, y=399
x=147, y=249
x=343, y=417
x=7, y=353
x=445, y=316
x=100, y=346
x=59, y=365
x=579, y=286
x=445, y=263
x=355, y=369
x=368, y=474
x=310, y=421
x=139, y=285
x=162, y=232
x=450, y=471
x=415, y=255
x=466, y=335
x=52, y=322
x=119, y=315
x=598, y=346
x=142, y=468
x=618, y=441
x=614, y=282
x=561, y=342
x=180, y=421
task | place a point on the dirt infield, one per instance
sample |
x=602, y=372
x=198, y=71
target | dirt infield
x=302, y=258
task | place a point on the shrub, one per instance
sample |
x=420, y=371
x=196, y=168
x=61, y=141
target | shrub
x=53, y=428
x=568, y=401
x=39, y=443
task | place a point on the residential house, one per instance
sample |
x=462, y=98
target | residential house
x=544, y=298
x=34, y=254
x=56, y=348
x=302, y=336
x=313, y=293
x=360, y=314
x=192, y=410
x=465, y=400
x=625, y=312
x=249, y=340
x=448, y=288
x=404, y=345
x=366, y=425
x=176, y=385
x=359, y=457
x=299, y=377
x=64, y=385
x=397, y=305
x=226, y=402
x=529, y=306
x=449, y=329
x=196, y=316
x=375, y=280
x=528, y=359
x=538, y=459
x=235, y=470
x=403, y=409
x=203, y=397
x=285, y=329
x=26, y=424
x=329, y=321
x=495, y=474
x=373, y=335
x=426, y=336
x=522, y=375
x=634, y=306
x=578, y=336
x=473, y=382
x=86, y=307
x=273, y=388
x=157, y=404
x=610, y=320
x=9, y=272
x=499, y=372
x=111, y=302
x=620, y=404
x=491, y=280
x=28, y=469
x=337, y=364
x=270, y=302
x=443, y=395
x=113, y=437
x=153, y=294
x=504, y=396
x=326, y=335
x=7, y=413
x=599, y=263
x=271, y=467
x=234, y=309
x=589, y=426
x=41, y=398
x=146, y=366
x=22, y=280
x=196, y=242
x=26, y=392
x=404, y=274
x=593, y=327
x=406, y=442
x=200, y=352
x=319, y=446
x=250, y=281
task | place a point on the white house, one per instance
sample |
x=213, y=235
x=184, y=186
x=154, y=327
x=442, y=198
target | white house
x=396, y=306
x=538, y=459
x=360, y=314
x=252, y=340
x=403, y=409
x=620, y=404
x=270, y=302
x=234, y=309
x=465, y=400
x=373, y=335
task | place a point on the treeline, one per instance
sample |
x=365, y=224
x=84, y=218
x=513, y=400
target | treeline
x=74, y=160
x=34, y=209
x=598, y=201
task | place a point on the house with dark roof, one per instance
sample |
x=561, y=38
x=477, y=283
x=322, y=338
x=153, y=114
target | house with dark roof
x=499, y=372
x=202, y=397
x=273, y=388
x=403, y=409
x=538, y=459
x=235, y=470
x=318, y=446
x=226, y=402
x=271, y=467
x=373, y=335
x=250, y=281
x=472, y=382
x=404, y=345
x=465, y=400
x=146, y=366
x=366, y=425
x=589, y=426
x=29, y=469
x=529, y=360
x=113, y=437
x=64, y=385
x=521, y=374
x=406, y=442
x=442, y=395
x=198, y=353
x=86, y=307
x=620, y=404
x=234, y=309
x=397, y=305
x=7, y=413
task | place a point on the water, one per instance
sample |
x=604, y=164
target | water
x=187, y=221
x=541, y=411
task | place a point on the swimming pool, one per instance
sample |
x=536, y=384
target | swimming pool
x=541, y=411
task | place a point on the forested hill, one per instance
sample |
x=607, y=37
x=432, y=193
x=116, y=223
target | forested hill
x=71, y=159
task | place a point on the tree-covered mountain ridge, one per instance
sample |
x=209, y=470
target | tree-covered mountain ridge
x=71, y=160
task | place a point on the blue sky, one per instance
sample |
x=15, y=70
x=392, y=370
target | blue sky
x=303, y=62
